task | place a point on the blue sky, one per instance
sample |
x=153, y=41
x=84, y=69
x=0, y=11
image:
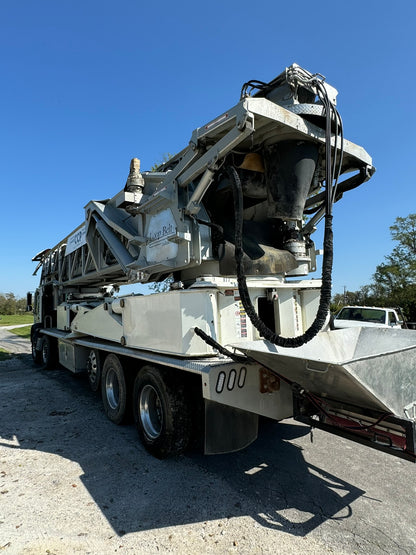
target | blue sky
x=87, y=85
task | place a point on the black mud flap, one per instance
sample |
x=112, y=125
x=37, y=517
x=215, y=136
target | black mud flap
x=228, y=429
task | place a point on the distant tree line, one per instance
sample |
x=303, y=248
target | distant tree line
x=10, y=304
x=394, y=281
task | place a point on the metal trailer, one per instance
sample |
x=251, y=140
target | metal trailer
x=243, y=332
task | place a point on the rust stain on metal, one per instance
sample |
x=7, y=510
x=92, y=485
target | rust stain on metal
x=269, y=382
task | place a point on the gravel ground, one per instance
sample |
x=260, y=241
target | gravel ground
x=73, y=482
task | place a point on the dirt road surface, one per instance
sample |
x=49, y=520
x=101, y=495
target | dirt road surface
x=11, y=342
x=73, y=482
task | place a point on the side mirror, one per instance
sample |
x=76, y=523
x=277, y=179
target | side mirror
x=29, y=302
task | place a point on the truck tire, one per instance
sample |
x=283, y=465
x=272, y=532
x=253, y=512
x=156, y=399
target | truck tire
x=94, y=369
x=161, y=412
x=49, y=352
x=36, y=354
x=34, y=336
x=114, y=389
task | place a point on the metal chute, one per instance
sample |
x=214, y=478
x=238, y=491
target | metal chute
x=360, y=381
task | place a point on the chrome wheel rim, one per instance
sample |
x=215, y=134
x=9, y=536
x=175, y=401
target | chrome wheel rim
x=92, y=366
x=112, y=389
x=150, y=412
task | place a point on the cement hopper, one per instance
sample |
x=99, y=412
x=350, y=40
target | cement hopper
x=359, y=381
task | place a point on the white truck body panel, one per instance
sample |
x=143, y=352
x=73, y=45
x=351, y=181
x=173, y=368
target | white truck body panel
x=164, y=322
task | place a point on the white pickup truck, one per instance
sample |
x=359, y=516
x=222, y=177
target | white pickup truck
x=368, y=316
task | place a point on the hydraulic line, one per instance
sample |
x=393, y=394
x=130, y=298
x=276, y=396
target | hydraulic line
x=241, y=359
x=332, y=173
x=325, y=298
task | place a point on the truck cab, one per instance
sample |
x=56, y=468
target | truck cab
x=367, y=316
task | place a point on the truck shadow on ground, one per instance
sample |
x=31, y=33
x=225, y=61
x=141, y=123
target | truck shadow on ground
x=270, y=481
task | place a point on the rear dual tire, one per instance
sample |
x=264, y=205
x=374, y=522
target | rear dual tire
x=94, y=369
x=161, y=412
x=114, y=390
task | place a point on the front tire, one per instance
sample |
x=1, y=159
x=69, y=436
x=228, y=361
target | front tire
x=36, y=354
x=162, y=412
x=35, y=341
x=48, y=352
x=114, y=389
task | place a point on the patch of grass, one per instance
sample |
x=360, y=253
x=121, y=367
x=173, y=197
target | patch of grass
x=16, y=319
x=23, y=332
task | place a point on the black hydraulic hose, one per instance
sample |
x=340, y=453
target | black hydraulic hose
x=325, y=298
x=347, y=185
x=332, y=170
x=241, y=359
x=330, y=195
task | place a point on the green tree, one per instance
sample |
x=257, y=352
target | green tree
x=157, y=165
x=394, y=280
x=10, y=304
x=361, y=297
x=161, y=286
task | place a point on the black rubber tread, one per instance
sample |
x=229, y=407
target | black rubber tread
x=34, y=335
x=117, y=414
x=49, y=352
x=176, y=408
x=36, y=354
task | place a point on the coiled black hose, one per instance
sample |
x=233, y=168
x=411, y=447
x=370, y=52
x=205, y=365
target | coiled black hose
x=332, y=172
x=325, y=298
